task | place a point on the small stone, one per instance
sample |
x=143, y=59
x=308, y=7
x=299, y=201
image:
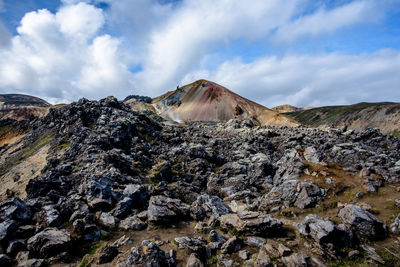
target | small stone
x=32, y=263
x=328, y=180
x=227, y=263
x=283, y=250
x=353, y=254
x=255, y=241
x=132, y=223
x=296, y=260
x=244, y=254
x=231, y=246
x=359, y=195
x=107, y=220
x=271, y=250
x=194, y=261
x=107, y=254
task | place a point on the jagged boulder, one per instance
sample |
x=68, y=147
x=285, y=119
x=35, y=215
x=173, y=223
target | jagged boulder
x=206, y=206
x=312, y=155
x=149, y=255
x=364, y=224
x=252, y=223
x=137, y=193
x=15, y=209
x=296, y=260
x=325, y=233
x=7, y=230
x=195, y=244
x=49, y=242
x=132, y=223
x=165, y=210
x=395, y=227
x=194, y=261
x=293, y=193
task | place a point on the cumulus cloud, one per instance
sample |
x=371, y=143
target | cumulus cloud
x=325, y=21
x=149, y=46
x=312, y=80
x=61, y=56
x=197, y=27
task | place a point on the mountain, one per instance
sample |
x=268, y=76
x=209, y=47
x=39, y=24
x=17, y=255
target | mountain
x=20, y=107
x=384, y=115
x=207, y=101
x=95, y=183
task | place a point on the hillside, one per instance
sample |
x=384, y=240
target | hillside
x=385, y=116
x=21, y=107
x=97, y=184
x=207, y=101
x=288, y=108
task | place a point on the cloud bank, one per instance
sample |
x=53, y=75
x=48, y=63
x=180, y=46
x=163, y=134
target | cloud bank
x=148, y=47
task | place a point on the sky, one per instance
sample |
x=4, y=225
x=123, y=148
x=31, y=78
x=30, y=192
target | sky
x=298, y=52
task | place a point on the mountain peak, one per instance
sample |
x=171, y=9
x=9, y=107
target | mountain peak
x=205, y=100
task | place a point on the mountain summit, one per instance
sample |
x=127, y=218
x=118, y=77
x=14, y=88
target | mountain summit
x=208, y=101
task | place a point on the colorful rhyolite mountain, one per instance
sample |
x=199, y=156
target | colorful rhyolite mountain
x=207, y=101
x=20, y=107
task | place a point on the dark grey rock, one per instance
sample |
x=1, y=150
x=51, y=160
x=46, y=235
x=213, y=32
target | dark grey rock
x=194, y=261
x=132, y=223
x=15, y=209
x=32, y=263
x=50, y=241
x=15, y=246
x=7, y=230
x=395, y=227
x=6, y=260
x=263, y=259
x=206, y=206
x=255, y=241
x=364, y=224
x=296, y=260
x=253, y=223
x=165, y=210
x=231, y=246
x=196, y=245
x=331, y=238
x=216, y=239
x=107, y=253
x=312, y=155
x=107, y=220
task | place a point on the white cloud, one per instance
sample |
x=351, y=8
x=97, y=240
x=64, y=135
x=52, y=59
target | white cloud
x=315, y=80
x=66, y=55
x=198, y=27
x=61, y=56
x=80, y=20
x=325, y=21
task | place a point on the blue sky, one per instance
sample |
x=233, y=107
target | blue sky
x=301, y=52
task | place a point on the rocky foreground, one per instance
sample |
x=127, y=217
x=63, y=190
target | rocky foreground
x=121, y=188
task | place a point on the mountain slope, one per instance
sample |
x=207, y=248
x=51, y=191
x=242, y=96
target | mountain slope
x=20, y=107
x=207, y=101
x=385, y=116
x=288, y=108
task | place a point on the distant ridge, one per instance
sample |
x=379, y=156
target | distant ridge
x=384, y=115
